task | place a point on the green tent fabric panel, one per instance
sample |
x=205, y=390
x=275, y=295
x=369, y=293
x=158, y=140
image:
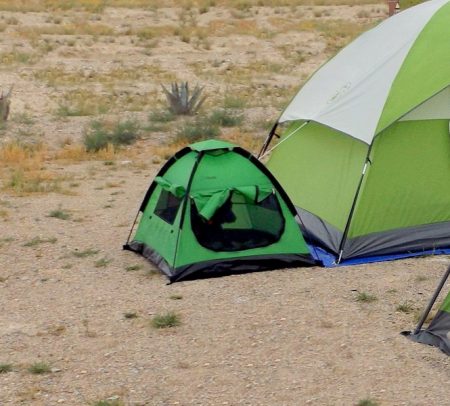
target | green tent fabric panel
x=415, y=82
x=180, y=172
x=208, y=202
x=408, y=183
x=239, y=172
x=446, y=305
x=157, y=233
x=190, y=251
x=176, y=190
x=320, y=168
x=154, y=231
x=211, y=145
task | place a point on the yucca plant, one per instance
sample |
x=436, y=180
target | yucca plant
x=4, y=104
x=181, y=102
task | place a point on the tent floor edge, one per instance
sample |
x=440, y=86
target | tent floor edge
x=221, y=267
x=151, y=255
x=236, y=266
x=428, y=338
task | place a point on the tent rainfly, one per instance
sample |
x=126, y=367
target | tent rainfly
x=214, y=208
x=365, y=155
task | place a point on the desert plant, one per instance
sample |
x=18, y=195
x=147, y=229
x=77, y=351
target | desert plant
x=5, y=368
x=367, y=402
x=169, y=319
x=5, y=101
x=181, y=102
x=96, y=137
x=39, y=368
x=365, y=297
x=405, y=307
x=59, y=214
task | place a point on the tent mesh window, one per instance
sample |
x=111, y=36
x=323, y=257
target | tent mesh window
x=167, y=206
x=240, y=225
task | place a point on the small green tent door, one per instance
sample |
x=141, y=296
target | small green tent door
x=215, y=208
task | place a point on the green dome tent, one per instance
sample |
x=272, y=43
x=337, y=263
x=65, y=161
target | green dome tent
x=214, y=208
x=365, y=156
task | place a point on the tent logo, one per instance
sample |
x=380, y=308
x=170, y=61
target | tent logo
x=344, y=89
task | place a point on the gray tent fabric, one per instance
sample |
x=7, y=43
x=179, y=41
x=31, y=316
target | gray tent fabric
x=437, y=334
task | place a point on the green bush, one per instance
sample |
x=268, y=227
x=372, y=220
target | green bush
x=161, y=116
x=125, y=133
x=97, y=136
x=167, y=320
x=39, y=368
x=200, y=129
x=225, y=118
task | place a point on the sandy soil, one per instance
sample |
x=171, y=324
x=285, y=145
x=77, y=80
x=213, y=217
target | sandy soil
x=286, y=337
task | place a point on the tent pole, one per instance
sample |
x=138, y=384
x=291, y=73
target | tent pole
x=132, y=227
x=352, y=210
x=268, y=140
x=185, y=202
x=431, y=303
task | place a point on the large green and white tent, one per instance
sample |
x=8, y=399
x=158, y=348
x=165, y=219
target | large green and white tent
x=214, y=208
x=365, y=153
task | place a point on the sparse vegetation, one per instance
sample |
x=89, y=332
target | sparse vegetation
x=86, y=253
x=108, y=402
x=38, y=240
x=166, y=320
x=59, y=214
x=225, y=118
x=367, y=402
x=39, y=368
x=5, y=368
x=199, y=129
x=161, y=116
x=99, y=134
x=101, y=263
x=176, y=297
x=133, y=268
x=365, y=297
x=405, y=307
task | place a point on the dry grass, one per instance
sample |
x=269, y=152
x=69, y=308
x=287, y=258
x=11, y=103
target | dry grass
x=78, y=27
x=99, y=5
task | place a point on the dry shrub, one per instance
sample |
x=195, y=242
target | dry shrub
x=78, y=153
x=246, y=140
x=19, y=156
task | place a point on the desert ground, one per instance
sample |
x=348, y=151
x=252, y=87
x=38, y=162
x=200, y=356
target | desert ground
x=77, y=311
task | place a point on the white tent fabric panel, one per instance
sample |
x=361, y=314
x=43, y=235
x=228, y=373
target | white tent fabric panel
x=436, y=108
x=349, y=92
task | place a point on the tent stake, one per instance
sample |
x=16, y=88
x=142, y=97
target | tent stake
x=433, y=299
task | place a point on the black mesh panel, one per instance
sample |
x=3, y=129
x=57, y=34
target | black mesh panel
x=167, y=206
x=239, y=225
